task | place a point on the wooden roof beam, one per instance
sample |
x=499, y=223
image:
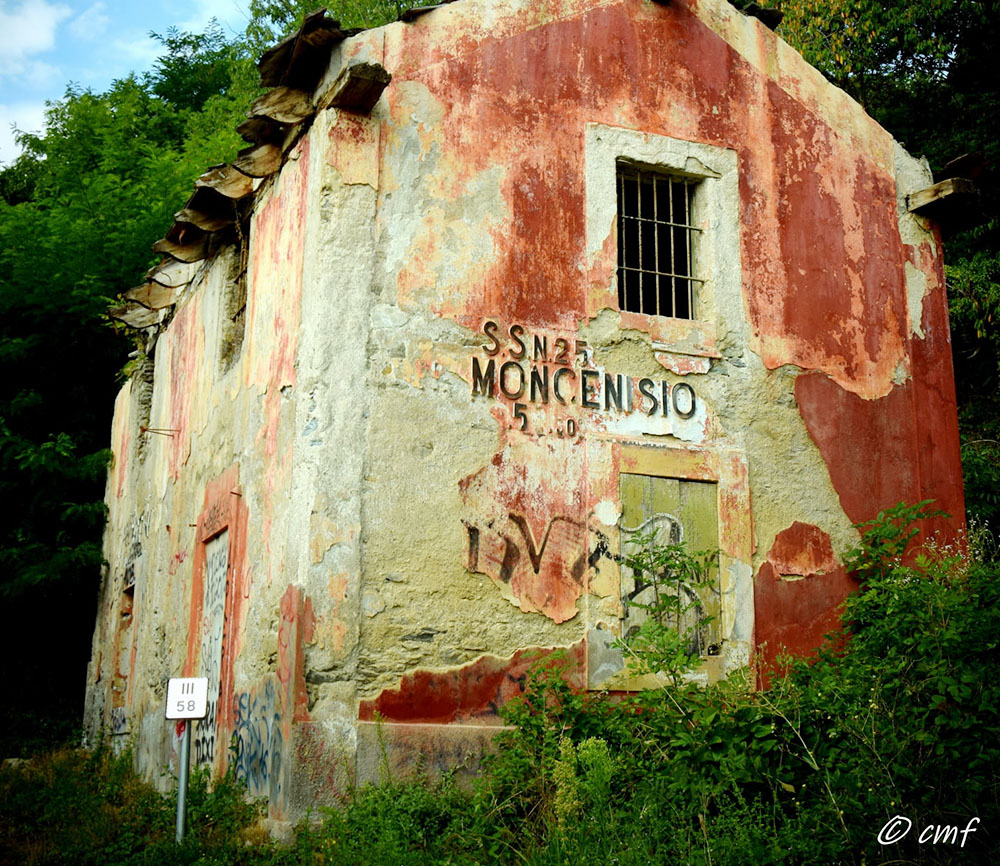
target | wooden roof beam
x=300, y=60
x=187, y=250
x=172, y=273
x=153, y=296
x=952, y=203
x=136, y=316
x=952, y=188
x=357, y=88
x=261, y=160
x=205, y=222
x=227, y=181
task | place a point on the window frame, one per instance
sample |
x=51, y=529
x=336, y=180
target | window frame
x=734, y=627
x=715, y=248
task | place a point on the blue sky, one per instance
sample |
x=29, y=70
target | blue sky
x=46, y=44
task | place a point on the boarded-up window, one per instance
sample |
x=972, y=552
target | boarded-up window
x=212, y=635
x=680, y=512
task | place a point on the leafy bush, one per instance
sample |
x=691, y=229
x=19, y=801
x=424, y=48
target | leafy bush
x=75, y=808
x=669, y=640
x=900, y=718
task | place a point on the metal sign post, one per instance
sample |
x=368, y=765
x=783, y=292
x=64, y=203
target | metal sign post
x=187, y=699
x=182, y=780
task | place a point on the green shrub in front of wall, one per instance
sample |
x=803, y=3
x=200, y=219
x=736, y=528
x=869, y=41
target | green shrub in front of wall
x=76, y=808
x=901, y=718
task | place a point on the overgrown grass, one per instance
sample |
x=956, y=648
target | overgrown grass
x=72, y=806
x=901, y=719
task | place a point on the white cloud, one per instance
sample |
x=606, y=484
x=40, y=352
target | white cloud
x=138, y=50
x=27, y=116
x=231, y=15
x=38, y=75
x=90, y=24
x=27, y=29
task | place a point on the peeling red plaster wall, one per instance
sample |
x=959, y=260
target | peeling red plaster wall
x=528, y=527
x=900, y=448
x=276, y=276
x=472, y=693
x=840, y=304
x=274, y=308
x=525, y=101
x=794, y=615
x=823, y=263
x=297, y=628
x=802, y=549
x=935, y=405
x=868, y=445
x=186, y=347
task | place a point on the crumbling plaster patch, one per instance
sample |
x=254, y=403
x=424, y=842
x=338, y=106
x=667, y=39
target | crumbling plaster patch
x=413, y=556
x=916, y=289
x=912, y=175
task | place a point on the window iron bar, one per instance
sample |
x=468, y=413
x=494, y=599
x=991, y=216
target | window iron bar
x=661, y=222
x=661, y=274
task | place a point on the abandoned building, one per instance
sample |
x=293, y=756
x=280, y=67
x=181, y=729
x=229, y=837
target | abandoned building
x=492, y=289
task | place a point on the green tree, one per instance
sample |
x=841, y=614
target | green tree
x=80, y=211
x=271, y=20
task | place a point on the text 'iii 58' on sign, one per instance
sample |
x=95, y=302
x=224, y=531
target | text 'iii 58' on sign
x=187, y=698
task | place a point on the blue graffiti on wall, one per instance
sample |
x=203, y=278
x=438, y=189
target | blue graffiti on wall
x=258, y=741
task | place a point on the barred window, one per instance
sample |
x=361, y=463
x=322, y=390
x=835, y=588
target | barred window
x=655, y=269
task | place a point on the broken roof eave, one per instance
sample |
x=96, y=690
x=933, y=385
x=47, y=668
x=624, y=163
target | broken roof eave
x=295, y=70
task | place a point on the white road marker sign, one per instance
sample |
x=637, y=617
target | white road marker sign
x=187, y=698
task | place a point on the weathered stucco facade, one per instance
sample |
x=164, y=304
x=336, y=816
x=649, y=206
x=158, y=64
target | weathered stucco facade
x=409, y=462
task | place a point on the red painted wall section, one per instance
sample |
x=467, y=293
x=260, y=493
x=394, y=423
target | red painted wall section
x=297, y=628
x=525, y=100
x=187, y=351
x=793, y=616
x=935, y=406
x=869, y=446
x=802, y=549
x=223, y=509
x=901, y=448
x=473, y=693
x=838, y=302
